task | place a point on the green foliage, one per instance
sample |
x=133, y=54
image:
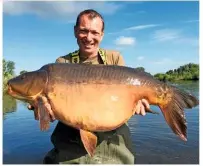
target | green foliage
x=140, y=69
x=8, y=71
x=23, y=71
x=8, y=68
x=159, y=76
x=187, y=72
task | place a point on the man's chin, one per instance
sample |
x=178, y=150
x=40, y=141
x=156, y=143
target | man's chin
x=88, y=51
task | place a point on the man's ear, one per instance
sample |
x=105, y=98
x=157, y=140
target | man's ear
x=75, y=31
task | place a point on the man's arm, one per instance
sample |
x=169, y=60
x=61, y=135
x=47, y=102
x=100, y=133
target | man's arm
x=120, y=61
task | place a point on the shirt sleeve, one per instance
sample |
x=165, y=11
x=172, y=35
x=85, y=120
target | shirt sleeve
x=120, y=60
x=62, y=60
x=114, y=58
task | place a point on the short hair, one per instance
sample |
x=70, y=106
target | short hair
x=91, y=14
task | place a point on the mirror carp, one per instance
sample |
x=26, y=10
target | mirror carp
x=93, y=98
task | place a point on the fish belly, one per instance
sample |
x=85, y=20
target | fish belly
x=94, y=107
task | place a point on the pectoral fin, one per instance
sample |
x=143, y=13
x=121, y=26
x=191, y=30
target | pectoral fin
x=89, y=141
x=44, y=117
x=45, y=113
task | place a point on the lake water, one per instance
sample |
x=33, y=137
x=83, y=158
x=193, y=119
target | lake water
x=153, y=140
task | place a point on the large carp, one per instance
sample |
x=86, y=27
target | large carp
x=94, y=98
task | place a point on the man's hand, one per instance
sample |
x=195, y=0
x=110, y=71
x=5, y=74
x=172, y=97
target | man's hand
x=140, y=107
x=31, y=107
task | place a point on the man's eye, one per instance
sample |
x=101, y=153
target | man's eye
x=83, y=31
x=95, y=33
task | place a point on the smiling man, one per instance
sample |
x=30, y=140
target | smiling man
x=89, y=31
x=114, y=147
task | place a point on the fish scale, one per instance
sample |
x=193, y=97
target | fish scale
x=77, y=73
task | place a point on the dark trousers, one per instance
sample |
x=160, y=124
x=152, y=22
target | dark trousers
x=113, y=147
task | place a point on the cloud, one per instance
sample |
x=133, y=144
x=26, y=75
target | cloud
x=174, y=35
x=190, y=21
x=140, y=27
x=166, y=35
x=140, y=58
x=58, y=9
x=125, y=41
x=192, y=41
x=134, y=28
x=114, y=33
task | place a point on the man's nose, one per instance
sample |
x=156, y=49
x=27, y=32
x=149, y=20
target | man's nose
x=89, y=36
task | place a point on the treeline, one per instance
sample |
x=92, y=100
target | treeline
x=186, y=72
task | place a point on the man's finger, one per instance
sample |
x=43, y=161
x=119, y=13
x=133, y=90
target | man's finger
x=51, y=114
x=137, y=108
x=145, y=103
x=142, y=110
x=30, y=107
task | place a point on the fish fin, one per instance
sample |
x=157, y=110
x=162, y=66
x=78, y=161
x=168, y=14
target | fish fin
x=185, y=99
x=44, y=117
x=175, y=118
x=89, y=141
x=36, y=114
x=174, y=112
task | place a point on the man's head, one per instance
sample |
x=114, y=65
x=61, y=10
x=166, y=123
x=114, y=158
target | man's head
x=89, y=31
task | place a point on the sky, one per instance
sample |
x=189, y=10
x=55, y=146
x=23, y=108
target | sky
x=158, y=36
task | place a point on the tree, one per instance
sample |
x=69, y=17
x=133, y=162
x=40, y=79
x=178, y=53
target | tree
x=159, y=76
x=8, y=68
x=169, y=72
x=8, y=71
x=23, y=71
x=186, y=72
x=140, y=69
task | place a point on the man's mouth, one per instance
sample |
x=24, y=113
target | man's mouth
x=88, y=45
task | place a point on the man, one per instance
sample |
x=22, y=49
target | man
x=114, y=147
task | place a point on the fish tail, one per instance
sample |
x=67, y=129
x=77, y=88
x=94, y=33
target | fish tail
x=173, y=111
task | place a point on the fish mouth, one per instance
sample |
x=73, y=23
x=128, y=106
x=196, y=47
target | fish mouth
x=17, y=95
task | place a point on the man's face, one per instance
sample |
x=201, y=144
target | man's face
x=89, y=34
